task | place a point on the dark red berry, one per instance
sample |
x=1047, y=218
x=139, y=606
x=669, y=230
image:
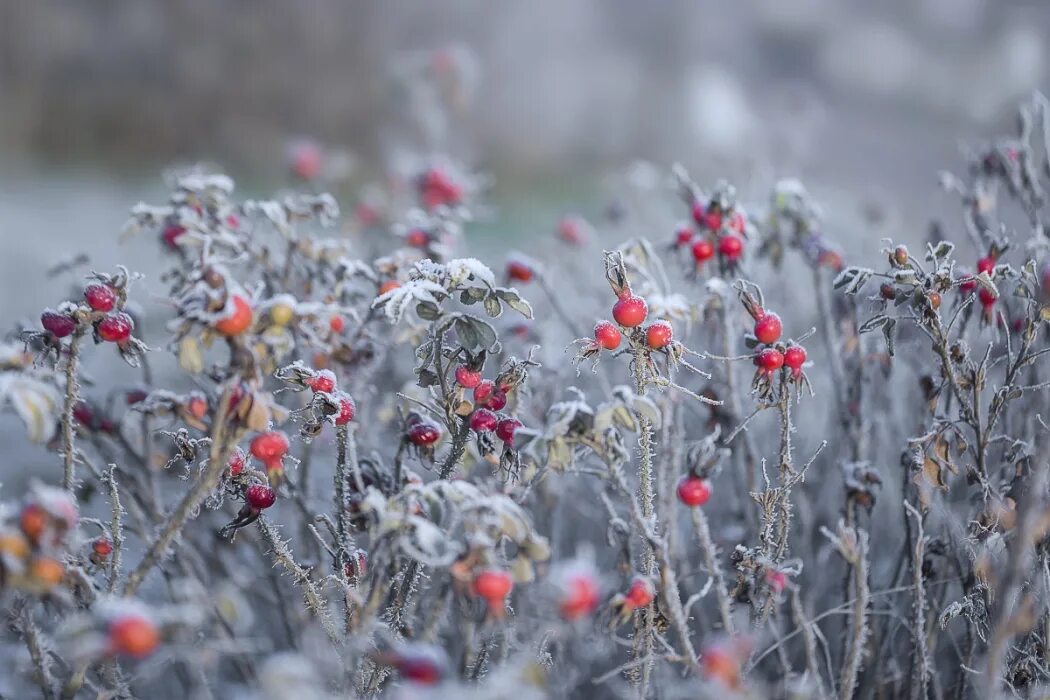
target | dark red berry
x=172, y=234
x=506, y=429
x=58, y=325
x=483, y=420
x=483, y=392
x=607, y=336
x=768, y=328
x=498, y=400
x=115, y=328
x=519, y=271
x=424, y=433
x=630, y=311
x=694, y=491
x=260, y=496
x=100, y=297
x=467, y=378
x=887, y=291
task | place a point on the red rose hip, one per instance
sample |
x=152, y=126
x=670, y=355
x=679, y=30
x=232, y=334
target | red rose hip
x=694, y=491
x=630, y=311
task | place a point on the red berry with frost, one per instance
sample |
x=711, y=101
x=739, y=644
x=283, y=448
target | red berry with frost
x=269, y=446
x=580, y=597
x=347, y=409
x=777, y=580
x=100, y=297
x=498, y=400
x=640, y=594
x=887, y=291
x=768, y=328
x=506, y=428
x=659, y=335
x=630, y=311
x=483, y=420
x=519, y=271
x=115, y=328
x=987, y=297
x=693, y=491
x=236, y=462
x=172, y=234
x=483, y=391
x=424, y=433
x=58, y=325
x=986, y=264
x=703, y=250
x=770, y=360
x=607, y=336
x=260, y=496
x=422, y=669
x=467, y=377
x=794, y=358
x=323, y=382
x=683, y=235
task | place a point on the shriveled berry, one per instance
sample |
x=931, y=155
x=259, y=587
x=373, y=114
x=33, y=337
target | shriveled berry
x=519, y=271
x=347, y=409
x=493, y=585
x=100, y=297
x=269, y=446
x=467, y=377
x=630, y=311
x=730, y=247
x=580, y=598
x=483, y=420
x=640, y=594
x=506, y=428
x=887, y=291
x=934, y=298
x=694, y=491
x=323, y=382
x=770, y=360
x=768, y=328
x=703, y=250
x=260, y=496
x=239, y=320
x=115, y=328
x=794, y=358
x=424, y=433
x=607, y=336
x=659, y=335
x=58, y=325
x=133, y=635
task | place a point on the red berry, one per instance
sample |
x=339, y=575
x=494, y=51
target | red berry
x=730, y=247
x=498, y=400
x=239, y=320
x=420, y=666
x=388, y=286
x=795, y=357
x=102, y=547
x=58, y=325
x=770, y=360
x=269, y=446
x=484, y=391
x=580, y=598
x=572, y=229
x=967, y=286
x=987, y=297
x=483, y=420
x=630, y=311
x=703, y=250
x=519, y=271
x=640, y=594
x=699, y=212
x=306, y=157
x=172, y=234
x=323, y=382
x=607, y=336
x=768, y=328
x=887, y=291
x=197, y=406
x=493, y=585
x=33, y=520
x=115, y=328
x=236, y=462
x=934, y=298
x=776, y=580
x=694, y=491
x=506, y=429
x=347, y=409
x=659, y=335
x=337, y=324
x=683, y=235
x=133, y=635
x=417, y=238
x=100, y=297
x=986, y=264
x=467, y=377
x=424, y=433
x=900, y=255
x=260, y=496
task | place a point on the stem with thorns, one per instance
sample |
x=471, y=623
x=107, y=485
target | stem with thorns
x=68, y=421
x=707, y=546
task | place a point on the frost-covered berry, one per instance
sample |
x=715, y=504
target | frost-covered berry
x=115, y=328
x=58, y=325
x=659, y=335
x=768, y=328
x=483, y=420
x=730, y=247
x=506, y=429
x=424, y=433
x=630, y=311
x=769, y=360
x=347, y=409
x=133, y=635
x=607, y=336
x=467, y=377
x=239, y=320
x=260, y=496
x=100, y=297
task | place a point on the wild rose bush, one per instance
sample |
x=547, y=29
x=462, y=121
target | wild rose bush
x=389, y=468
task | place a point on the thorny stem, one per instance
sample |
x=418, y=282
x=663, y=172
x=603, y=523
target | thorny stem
x=116, y=527
x=747, y=460
x=68, y=421
x=710, y=552
x=37, y=653
x=919, y=606
x=459, y=446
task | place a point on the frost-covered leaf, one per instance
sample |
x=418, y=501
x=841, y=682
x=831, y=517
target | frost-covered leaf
x=492, y=306
x=37, y=403
x=873, y=323
x=515, y=301
x=852, y=279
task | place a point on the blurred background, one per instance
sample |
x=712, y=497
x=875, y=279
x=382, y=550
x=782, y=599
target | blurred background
x=864, y=101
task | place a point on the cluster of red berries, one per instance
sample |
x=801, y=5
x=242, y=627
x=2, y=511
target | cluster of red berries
x=438, y=188
x=630, y=312
x=489, y=399
x=111, y=324
x=323, y=382
x=772, y=355
x=720, y=232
